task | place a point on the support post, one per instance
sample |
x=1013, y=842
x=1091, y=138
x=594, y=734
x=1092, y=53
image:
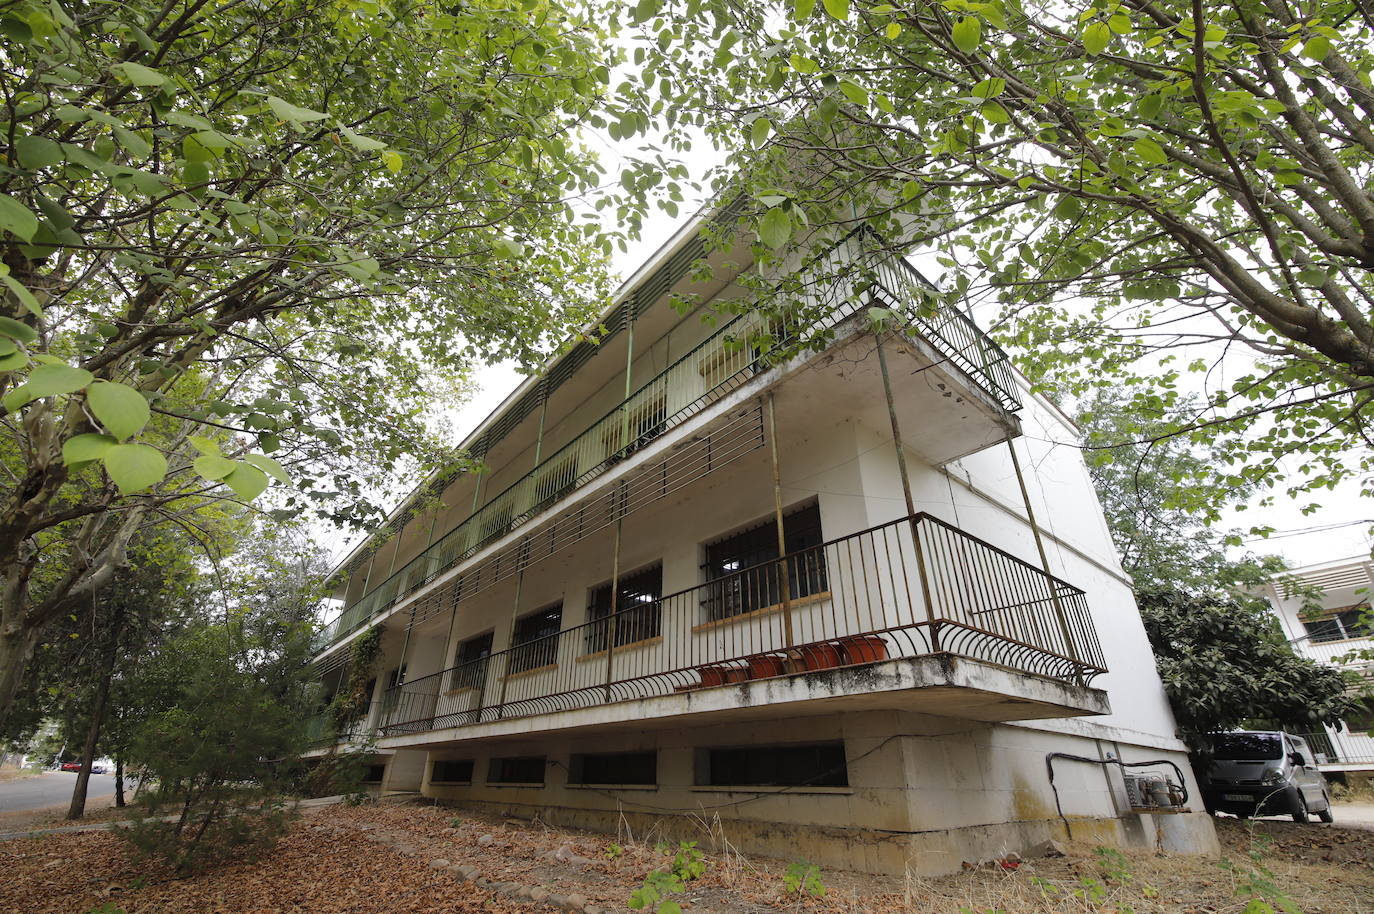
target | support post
x=510, y=646
x=1064, y=630
x=784, y=572
x=613, y=623
x=912, y=520
x=539, y=438
x=629, y=366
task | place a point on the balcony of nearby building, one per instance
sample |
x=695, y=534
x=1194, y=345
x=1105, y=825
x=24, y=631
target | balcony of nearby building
x=913, y=614
x=964, y=404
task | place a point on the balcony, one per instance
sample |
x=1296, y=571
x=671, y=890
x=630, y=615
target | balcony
x=911, y=614
x=722, y=363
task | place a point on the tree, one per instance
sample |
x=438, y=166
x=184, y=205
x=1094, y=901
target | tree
x=1225, y=664
x=282, y=228
x=1128, y=180
x=1222, y=656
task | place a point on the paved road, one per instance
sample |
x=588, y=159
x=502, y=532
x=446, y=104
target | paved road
x=52, y=788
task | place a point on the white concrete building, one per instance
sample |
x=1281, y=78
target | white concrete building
x=1335, y=631
x=691, y=584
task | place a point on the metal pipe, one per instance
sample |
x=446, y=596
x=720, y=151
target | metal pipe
x=906, y=493
x=510, y=637
x=1045, y=564
x=784, y=576
x=612, y=623
x=539, y=437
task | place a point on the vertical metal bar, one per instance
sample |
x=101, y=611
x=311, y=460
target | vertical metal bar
x=543, y=414
x=912, y=520
x=1045, y=564
x=783, y=571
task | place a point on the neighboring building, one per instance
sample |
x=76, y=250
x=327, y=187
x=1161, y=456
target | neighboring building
x=1324, y=611
x=599, y=628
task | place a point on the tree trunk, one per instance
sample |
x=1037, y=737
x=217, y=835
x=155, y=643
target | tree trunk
x=119, y=782
x=98, y=709
x=16, y=648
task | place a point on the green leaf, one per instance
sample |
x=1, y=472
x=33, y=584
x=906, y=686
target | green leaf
x=893, y=30
x=14, y=359
x=214, y=467
x=506, y=248
x=1096, y=37
x=121, y=409
x=994, y=113
x=37, y=151
x=1068, y=207
x=802, y=9
x=1120, y=23
x=1317, y=47
x=1150, y=105
x=17, y=219
x=856, y=94
x=775, y=228
x=20, y=292
x=828, y=109
x=392, y=160
x=293, y=114
x=645, y=10
x=967, y=34
x=204, y=445
x=991, y=87
x=365, y=143
x=139, y=75
x=17, y=330
x=837, y=9
x=247, y=482
x=1150, y=152
x=270, y=467
x=759, y=130
x=85, y=448
x=134, y=467
x=53, y=380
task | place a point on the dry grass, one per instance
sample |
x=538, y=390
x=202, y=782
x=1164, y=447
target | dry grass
x=332, y=863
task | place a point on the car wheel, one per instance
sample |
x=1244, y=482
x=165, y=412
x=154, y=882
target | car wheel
x=1327, y=815
x=1299, y=808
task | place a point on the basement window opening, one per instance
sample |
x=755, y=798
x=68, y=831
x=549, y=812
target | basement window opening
x=451, y=771
x=609, y=769
x=525, y=769
x=796, y=765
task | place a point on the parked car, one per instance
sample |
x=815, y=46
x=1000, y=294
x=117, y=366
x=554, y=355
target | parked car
x=1265, y=772
x=71, y=766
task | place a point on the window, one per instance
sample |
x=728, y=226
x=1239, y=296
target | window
x=517, y=770
x=535, y=640
x=743, y=590
x=639, y=768
x=1360, y=719
x=470, y=663
x=373, y=774
x=451, y=772
x=808, y=765
x=637, y=609
x=1341, y=624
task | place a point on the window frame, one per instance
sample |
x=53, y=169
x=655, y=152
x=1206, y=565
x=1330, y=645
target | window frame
x=539, y=650
x=641, y=622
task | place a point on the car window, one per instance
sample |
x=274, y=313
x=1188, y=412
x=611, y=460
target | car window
x=1247, y=746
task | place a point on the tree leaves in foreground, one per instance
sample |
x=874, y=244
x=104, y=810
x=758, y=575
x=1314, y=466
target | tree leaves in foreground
x=249, y=244
x=1130, y=181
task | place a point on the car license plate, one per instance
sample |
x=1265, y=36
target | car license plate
x=1237, y=797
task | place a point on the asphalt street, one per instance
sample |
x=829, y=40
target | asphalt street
x=52, y=788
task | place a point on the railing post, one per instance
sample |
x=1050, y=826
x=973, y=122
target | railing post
x=612, y=623
x=912, y=521
x=784, y=574
x=1060, y=617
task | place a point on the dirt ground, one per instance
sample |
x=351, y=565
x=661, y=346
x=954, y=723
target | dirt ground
x=384, y=859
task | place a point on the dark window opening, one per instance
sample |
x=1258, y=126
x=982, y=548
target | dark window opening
x=637, y=610
x=373, y=774
x=749, y=575
x=535, y=640
x=470, y=664
x=639, y=768
x=1346, y=623
x=516, y=770
x=451, y=772
x=1360, y=719
x=809, y=765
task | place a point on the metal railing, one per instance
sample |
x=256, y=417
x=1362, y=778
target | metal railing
x=718, y=365
x=322, y=729
x=908, y=588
